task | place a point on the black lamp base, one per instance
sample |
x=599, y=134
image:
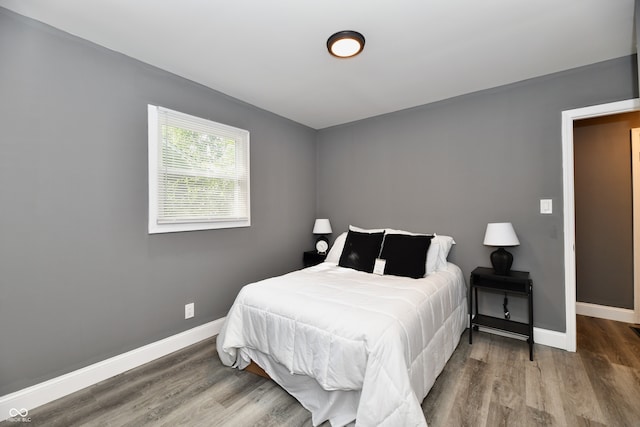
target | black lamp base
x=501, y=261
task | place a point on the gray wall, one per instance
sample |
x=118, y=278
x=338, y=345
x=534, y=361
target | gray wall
x=80, y=278
x=453, y=166
x=604, y=209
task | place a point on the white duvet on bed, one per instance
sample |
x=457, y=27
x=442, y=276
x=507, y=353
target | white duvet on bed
x=349, y=345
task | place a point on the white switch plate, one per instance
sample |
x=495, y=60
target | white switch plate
x=189, y=310
x=546, y=206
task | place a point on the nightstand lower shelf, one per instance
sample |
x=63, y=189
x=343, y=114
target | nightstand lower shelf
x=502, y=324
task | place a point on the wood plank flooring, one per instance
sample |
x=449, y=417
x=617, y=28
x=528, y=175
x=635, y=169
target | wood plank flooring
x=491, y=383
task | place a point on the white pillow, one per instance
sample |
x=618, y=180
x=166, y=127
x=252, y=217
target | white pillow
x=431, y=264
x=366, y=230
x=336, y=250
x=432, y=257
x=444, y=244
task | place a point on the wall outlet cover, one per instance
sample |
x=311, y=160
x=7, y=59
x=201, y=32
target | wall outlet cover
x=189, y=310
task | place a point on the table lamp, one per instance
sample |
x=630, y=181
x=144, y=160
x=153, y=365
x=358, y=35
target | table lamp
x=322, y=227
x=501, y=234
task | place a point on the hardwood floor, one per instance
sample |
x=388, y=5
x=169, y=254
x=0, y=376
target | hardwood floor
x=491, y=383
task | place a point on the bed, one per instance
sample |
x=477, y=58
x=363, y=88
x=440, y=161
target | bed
x=348, y=344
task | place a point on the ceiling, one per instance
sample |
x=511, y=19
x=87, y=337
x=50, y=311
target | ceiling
x=272, y=54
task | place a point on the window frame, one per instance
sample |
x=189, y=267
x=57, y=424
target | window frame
x=155, y=147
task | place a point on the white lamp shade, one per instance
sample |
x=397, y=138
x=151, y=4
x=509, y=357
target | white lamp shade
x=500, y=234
x=322, y=226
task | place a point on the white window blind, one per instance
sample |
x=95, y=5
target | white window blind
x=198, y=173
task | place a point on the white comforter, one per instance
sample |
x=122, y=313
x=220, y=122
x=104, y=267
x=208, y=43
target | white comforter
x=347, y=344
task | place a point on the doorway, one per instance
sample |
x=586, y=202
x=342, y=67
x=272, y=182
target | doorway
x=568, y=118
x=604, y=216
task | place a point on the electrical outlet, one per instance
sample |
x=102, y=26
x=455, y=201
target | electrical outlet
x=189, y=310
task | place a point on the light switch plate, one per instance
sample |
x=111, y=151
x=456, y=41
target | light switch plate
x=546, y=206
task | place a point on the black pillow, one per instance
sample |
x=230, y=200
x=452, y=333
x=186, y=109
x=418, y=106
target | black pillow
x=361, y=250
x=405, y=255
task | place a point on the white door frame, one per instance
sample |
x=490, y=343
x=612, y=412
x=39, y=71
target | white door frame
x=568, y=194
x=635, y=172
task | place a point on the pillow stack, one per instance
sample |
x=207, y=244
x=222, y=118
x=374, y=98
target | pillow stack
x=406, y=254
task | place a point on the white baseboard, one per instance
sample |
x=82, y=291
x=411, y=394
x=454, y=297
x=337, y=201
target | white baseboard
x=559, y=339
x=550, y=338
x=45, y=392
x=605, y=312
x=540, y=336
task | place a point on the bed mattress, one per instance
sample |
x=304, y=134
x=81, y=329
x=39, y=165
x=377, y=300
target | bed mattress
x=349, y=345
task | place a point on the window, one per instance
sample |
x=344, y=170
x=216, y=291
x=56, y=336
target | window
x=198, y=173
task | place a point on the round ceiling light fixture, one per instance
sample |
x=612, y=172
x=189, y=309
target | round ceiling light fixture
x=345, y=44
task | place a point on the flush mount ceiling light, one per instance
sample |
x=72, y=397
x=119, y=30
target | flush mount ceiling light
x=345, y=44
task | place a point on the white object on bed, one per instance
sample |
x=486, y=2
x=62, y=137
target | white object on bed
x=349, y=345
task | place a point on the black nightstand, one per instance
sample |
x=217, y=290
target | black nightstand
x=517, y=282
x=311, y=258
